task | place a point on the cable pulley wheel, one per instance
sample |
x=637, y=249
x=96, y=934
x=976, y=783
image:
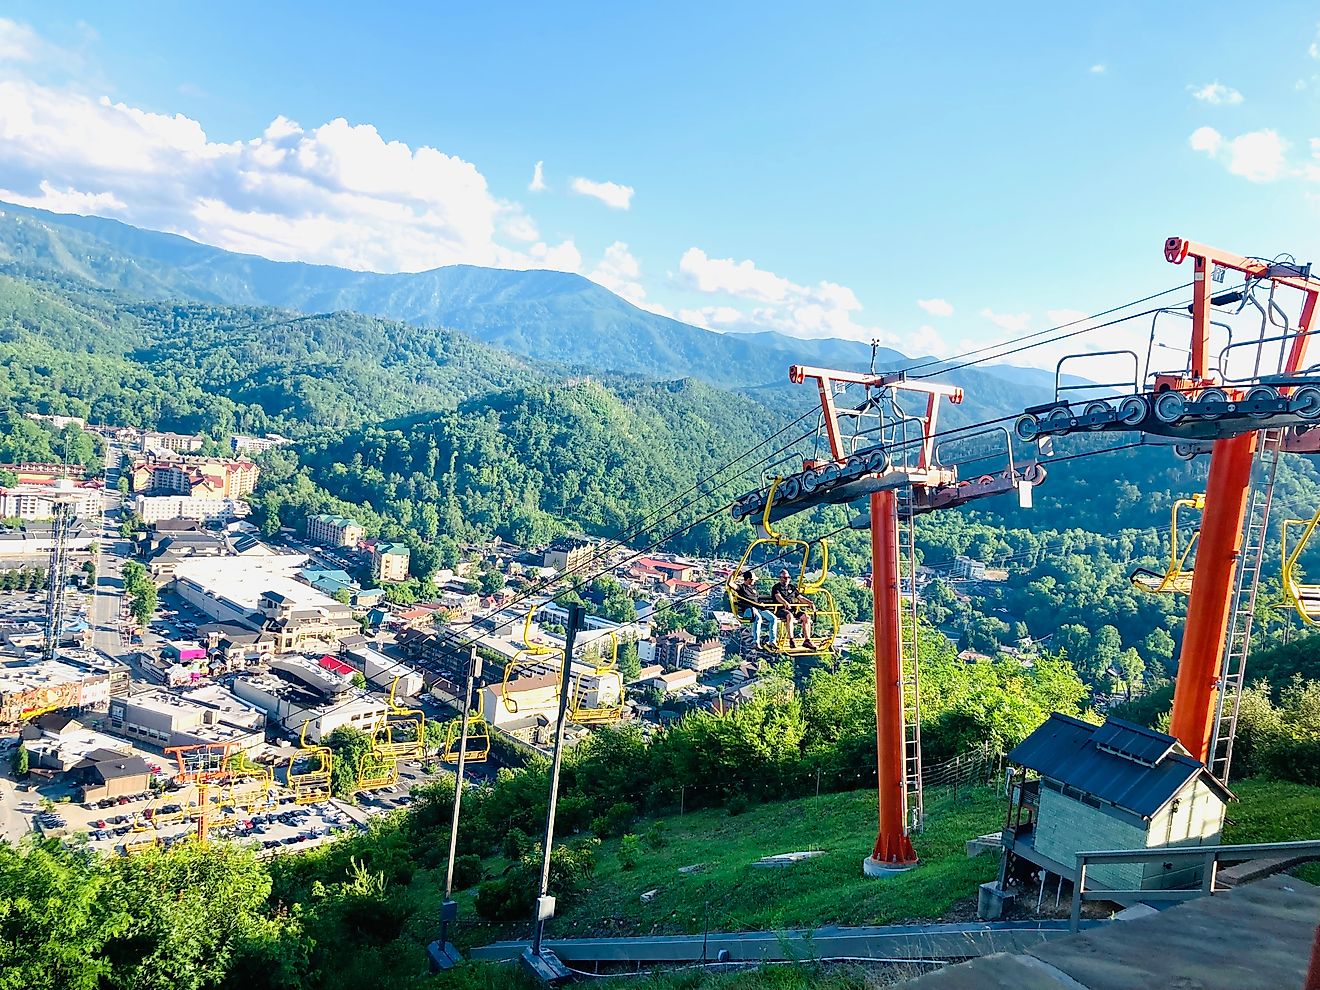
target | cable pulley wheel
x=1095, y=408
x=1260, y=393
x=1170, y=407
x=1214, y=403
x=1306, y=402
x=1027, y=427
x=1133, y=410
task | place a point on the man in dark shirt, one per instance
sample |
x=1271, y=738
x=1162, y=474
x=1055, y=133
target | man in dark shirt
x=786, y=598
x=750, y=605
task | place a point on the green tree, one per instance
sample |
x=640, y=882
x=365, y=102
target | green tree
x=359, y=679
x=629, y=663
x=490, y=581
x=21, y=761
x=343, y=596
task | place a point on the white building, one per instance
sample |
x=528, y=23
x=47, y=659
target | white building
x=154, y=508
x=204, y=715
x=263, y=593
x=257, y=445
x=381, y=671
x=38, y=501
x=291, y=707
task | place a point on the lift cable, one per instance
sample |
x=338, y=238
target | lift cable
x=1037, y=333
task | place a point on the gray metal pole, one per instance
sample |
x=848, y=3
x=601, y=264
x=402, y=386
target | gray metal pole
x=473, y=662
x=576, y=614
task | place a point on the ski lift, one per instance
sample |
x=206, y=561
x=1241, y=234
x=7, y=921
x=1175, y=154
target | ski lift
x=401, y=731
x=794, y=555
x=478, y=738
x=1177, y=577
x=375, y=770
x=532, y=655
x=608, y=703
x=1305, y=598
x=310, y=785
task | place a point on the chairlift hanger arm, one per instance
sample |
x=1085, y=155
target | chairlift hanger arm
x=1178, y=249
x=826, y=377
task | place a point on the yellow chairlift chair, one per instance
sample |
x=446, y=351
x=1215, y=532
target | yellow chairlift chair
x=1177, y=576
x=604, y=682
x=1303, y=597
x=478, y=738
x=311, y=783
x=793, y=555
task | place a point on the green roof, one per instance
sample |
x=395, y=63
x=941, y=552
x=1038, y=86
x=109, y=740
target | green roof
x=392, y=549
x=340, y=521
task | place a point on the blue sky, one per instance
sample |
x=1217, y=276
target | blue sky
x=816, y=171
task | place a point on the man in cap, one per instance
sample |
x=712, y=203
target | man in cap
x=787, y=599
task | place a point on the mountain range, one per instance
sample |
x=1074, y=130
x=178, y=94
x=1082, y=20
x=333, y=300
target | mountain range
x=543, y=315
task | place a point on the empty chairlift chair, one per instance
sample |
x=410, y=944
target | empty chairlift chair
x=526, y=661
x=597, y=697
x=478, y=738
x=401, y=733
x=310, y=771
x=1303, y=597
x=1176, y=578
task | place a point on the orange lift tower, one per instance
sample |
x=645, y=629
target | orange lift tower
x=893, y=465
x=1245, y=403
x=1205, y=638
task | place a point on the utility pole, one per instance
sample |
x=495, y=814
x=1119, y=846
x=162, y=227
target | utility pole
x=545, y=965
x=442, y=954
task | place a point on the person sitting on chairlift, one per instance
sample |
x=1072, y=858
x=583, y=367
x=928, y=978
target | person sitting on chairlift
x=786, y=598
x=751, y=606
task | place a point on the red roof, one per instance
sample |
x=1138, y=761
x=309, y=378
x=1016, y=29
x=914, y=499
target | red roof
x=337, y=666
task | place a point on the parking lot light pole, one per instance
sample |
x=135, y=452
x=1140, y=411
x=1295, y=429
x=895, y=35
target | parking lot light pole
x=544, y=964
x=443, y=955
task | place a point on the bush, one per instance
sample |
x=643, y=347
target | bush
x=506, y=898
x=737, y=804
x=515, y=844
x=615, y=821
x=657, y=836
x=630, y=852
x=467, y=871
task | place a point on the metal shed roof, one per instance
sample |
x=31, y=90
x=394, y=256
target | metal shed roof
x=1129, y=766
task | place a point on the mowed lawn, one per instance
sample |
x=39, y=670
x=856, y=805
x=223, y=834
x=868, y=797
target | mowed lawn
x=729, y=893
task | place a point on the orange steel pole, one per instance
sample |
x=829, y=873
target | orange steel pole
x=1208, y=610
x=892, y=845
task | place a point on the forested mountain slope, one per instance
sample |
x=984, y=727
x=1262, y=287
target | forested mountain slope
x=545, y=315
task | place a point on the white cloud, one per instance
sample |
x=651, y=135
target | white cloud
x=612, y=194
x=926, y=340
x=338, y=194
x=1258, y=156
x=18, y=42
x=538, y=178
x=737, y=278
x=1098, y=69
x=1012, y=322
x=1206, y=139
x=825, y=309
x=1216, y=93
x=936, y=307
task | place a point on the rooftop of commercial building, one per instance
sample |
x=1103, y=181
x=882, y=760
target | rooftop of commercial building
x=242, y=580
x=17, y=674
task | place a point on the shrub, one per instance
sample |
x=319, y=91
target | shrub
x=737, y=804
x=630, y=852
x=506, y=898
x=467, y=871
x=657, y=836
x=615, y=821
x=515, y=844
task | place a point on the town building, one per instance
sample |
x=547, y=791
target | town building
x=257, y=445
x=669, y=648
x=674, y=680
x=262, y=593
x=233, y=645
x=332, y=582
x=537, y=694
x=291, y=706
x=179, y=443
x=74, y=680
x=202, y=508
x=566, y=554
x=59, y=422
x=1110, y=786
x=333, y=531
x=207, y=714
x=204, y=477
x=389, y=562
x=703, y=655
x=382, y=672
x=37, y=501
x=106, y=773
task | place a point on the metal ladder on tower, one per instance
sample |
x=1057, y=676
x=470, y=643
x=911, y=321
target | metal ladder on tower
x=914, y=806
x=1232, y=671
